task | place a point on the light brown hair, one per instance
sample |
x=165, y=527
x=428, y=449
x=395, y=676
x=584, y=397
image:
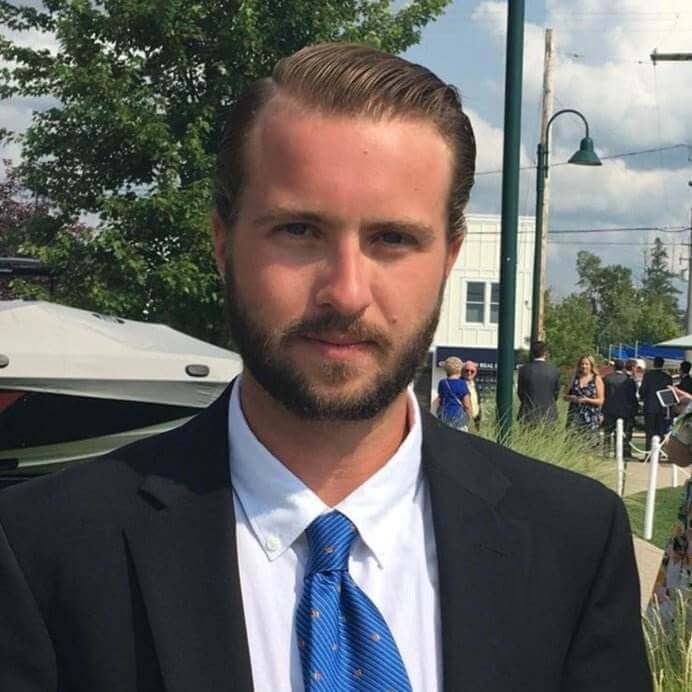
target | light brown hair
x=592, y=363
x=353, y=80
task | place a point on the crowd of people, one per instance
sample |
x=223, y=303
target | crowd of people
x=595, y=402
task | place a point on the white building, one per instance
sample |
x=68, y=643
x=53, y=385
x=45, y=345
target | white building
x=468, y=325
x=470, y=309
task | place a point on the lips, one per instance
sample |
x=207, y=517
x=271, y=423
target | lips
x=337, y=339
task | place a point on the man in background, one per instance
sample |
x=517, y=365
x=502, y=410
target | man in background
x=620, y=402
x=685, y=380
x=538, y=386
x=656, y=416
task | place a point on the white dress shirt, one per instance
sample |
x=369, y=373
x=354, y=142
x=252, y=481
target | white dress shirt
x=393, y=559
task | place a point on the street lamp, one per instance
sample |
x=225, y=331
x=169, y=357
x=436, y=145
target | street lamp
x=585, y=156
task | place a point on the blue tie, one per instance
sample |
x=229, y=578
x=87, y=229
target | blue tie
x=344, y=642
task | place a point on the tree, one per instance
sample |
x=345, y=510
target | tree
x=659, y=316
x=141, y=89
x=570, y=328
x=613, y=296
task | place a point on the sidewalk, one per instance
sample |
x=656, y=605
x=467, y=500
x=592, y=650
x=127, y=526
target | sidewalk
x=648, y=558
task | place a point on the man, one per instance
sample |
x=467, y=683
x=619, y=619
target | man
x=313, y=529
x=620, y=402
x=685, y=380
x=656, y=416
x=630, y=364
x=538, y=386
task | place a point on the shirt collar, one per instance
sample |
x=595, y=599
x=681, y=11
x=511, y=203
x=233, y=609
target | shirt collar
x=279, y=506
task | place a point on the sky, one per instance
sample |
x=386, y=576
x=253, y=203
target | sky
x=602, y=68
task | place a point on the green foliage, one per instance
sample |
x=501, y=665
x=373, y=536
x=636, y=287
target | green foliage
x=611, y=309
x=611, y=290
x=659, y=315
x=570, y=328
x=140, y=89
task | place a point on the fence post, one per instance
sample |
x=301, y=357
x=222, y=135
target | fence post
x=619, y=456
x=651, y=492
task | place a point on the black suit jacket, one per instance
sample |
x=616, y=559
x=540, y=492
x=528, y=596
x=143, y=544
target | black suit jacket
x=121, y=575
x=620, y=395
x=653, y=381
x=538, y=384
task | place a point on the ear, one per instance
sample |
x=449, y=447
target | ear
x=453, y=248
x=220, y=240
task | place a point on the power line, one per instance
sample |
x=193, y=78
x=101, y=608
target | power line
x=627, y=243
x=565, y=231
x=660, y=229
x=611, y=156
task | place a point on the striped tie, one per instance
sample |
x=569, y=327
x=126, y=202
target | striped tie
x=344, y=642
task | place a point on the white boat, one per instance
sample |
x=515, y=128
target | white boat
x=75, y=384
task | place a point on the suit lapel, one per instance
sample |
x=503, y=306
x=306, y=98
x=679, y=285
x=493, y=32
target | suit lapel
x=482, y=560
x=184, y=552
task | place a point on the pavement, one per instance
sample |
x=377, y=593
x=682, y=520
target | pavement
x=648, y=558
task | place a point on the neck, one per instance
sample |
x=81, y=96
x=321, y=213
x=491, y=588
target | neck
x=332, y=458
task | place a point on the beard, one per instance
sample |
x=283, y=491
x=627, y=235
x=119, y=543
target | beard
x=264, y=353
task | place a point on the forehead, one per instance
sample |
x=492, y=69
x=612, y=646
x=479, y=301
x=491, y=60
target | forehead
x=400, y=167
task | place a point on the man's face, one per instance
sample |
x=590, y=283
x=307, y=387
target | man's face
x=336, y=264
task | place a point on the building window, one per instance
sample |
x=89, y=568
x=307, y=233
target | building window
x=475, y=301
x=494, y=303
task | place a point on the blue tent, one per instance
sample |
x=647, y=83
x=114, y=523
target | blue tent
x=625, y=351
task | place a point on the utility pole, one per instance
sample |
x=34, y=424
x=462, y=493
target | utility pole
x=669, y=57
x=680, y=57
x=540, y=253
x=688, y=354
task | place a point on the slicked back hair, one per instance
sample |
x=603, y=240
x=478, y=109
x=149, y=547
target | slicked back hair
x=352, y=80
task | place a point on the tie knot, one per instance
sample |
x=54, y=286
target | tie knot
x=330, y=538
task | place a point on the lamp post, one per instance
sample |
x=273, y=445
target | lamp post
x=585, y=156
x=510, y=211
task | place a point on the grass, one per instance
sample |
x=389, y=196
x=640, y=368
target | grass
x=667, y=505
x=669, y=646
x=570, y=449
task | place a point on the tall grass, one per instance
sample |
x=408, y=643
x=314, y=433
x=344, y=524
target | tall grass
x=552, y=442
x=669, y=645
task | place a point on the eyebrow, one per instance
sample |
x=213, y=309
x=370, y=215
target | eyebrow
x=277, y=215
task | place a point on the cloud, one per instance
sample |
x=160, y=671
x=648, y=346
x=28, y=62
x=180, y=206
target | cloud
x=602, y=68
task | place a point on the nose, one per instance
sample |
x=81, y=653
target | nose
x=344, y=284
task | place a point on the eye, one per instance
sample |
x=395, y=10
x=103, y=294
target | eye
x=395, y=238
x=300, y=230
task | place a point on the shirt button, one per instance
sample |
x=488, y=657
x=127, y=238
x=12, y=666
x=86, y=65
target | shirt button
x=272, y=544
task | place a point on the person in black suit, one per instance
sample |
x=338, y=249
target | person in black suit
x=183, y=562
x=685, y=380
x=620, y=402
x=538, y=385
x=656, y=417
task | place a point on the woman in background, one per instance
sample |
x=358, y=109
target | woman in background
x=469, y=373
x=454, y=402
x=585, y=394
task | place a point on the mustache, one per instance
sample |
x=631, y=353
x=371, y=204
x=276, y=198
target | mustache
x=334, y=322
